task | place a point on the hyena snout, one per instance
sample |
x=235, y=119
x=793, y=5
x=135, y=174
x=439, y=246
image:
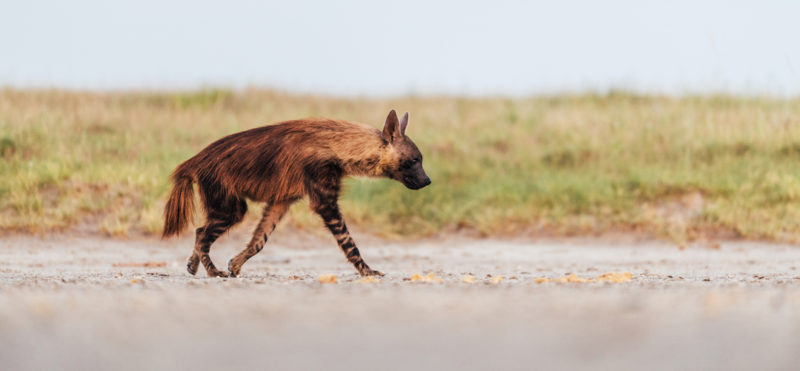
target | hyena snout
x=416, y=181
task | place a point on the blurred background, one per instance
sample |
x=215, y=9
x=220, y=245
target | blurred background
x=674, y=119
x=367, y=48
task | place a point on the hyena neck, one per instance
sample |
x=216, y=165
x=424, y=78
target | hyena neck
x=362, y=154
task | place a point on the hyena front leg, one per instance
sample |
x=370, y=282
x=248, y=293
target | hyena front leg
x=272, y=215
x=328, y=209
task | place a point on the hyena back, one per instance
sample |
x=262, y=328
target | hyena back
x=280, y=164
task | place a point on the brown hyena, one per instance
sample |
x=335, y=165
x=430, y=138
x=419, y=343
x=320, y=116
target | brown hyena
x=279, y=164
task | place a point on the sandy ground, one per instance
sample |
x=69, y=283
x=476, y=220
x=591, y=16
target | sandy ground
x=63, y=305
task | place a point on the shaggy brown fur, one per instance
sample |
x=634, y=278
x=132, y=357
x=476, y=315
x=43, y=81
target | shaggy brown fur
x=279, y=164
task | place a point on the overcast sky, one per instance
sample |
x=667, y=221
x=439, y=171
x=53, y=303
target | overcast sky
x=421, y=47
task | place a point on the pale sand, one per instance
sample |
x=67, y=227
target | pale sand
x=64, y=306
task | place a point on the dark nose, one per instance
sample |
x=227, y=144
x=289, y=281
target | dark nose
x=426, y=182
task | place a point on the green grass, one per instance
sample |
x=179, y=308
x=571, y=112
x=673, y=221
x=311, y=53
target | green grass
x=674, y=167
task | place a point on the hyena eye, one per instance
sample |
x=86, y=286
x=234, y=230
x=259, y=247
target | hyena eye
x=408, y=164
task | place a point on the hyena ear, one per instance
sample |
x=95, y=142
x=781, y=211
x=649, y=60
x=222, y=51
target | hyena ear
x=403, y=124
x=391, y=129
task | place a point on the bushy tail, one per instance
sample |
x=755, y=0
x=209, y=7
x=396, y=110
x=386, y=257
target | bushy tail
x=180, y=206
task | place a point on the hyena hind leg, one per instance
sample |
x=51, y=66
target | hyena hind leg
x=270, y=218
x=207, y=236
x=220, y=219
x=194, y=260
x=193, y=263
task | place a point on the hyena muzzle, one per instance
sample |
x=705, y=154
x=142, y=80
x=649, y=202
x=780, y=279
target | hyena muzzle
x=280, y=164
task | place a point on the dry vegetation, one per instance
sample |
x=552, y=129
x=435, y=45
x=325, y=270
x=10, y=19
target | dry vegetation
x=674, y=167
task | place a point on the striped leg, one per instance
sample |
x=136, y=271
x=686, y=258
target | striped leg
x=208, y=234
x=194, y=260
x=272, y=214
x=222, y=213
x=328, y=209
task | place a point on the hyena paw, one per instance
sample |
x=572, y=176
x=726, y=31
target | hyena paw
x=233, y=270
x=370, y=272
x=218, y=273
x=191, y=266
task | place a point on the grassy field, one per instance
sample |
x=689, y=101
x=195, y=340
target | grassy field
x=679, y=168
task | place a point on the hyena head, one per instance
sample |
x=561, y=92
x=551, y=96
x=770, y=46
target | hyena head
x=401, y=159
